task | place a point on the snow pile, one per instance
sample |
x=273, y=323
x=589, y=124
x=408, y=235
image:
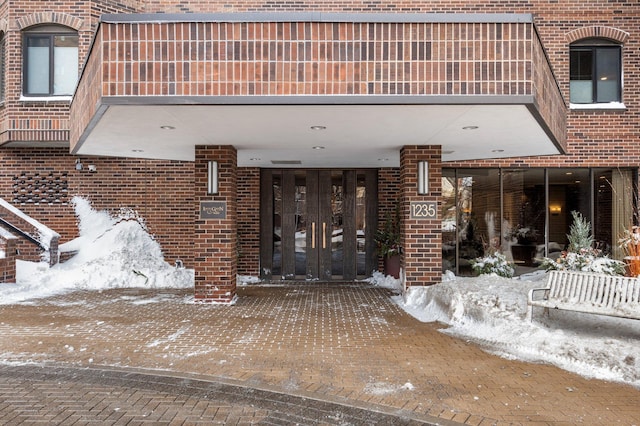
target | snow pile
x=490, y=311
x=111, y=252
x=387, y=281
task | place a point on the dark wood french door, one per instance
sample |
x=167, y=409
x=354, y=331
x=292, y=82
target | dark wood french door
x=315, y=224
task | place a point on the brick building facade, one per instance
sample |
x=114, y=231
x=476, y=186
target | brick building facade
x=321, y=94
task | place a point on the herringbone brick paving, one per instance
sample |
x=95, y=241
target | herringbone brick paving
x=335, y=342
x=63, y=395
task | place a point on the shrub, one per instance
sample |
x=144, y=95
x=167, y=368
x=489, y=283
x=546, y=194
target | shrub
x=581, y=256
x=495, y=263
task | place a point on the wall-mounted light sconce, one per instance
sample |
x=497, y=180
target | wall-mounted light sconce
x=78, y=164
x=423, y=177
x=212, y=178
x=555, y=209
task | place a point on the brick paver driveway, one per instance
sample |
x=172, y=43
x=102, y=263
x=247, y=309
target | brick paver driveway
x=337, y=343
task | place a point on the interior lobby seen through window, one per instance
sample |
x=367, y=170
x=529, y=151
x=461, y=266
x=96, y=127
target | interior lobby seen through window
x=50, y=61
x=595, y=72
x=526, y=213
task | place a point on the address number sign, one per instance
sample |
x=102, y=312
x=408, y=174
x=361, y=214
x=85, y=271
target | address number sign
x=424, y=209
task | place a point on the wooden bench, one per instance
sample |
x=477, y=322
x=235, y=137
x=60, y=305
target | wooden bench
x=592, y=293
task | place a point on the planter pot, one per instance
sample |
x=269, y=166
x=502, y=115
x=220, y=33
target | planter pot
x=523, y=253
x=392, y=266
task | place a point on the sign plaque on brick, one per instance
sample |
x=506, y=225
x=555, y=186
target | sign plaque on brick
x=424, y=209
x=213, y=210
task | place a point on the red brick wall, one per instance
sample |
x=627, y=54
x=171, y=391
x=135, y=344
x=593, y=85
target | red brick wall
x=8, y=262
x=389, y=195
x=160, y=191
x=249, y=221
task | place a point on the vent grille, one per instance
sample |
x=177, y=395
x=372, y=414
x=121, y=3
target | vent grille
x=285, y=162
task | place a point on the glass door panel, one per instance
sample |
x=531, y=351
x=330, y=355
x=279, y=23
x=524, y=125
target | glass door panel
x=477, y=207
x=316, y=221
x=361, y=224
x=449, y=221
x=524, y=209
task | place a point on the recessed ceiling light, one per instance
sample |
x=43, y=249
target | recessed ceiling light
x=137, y=150
x=254, y=159
x=497, y=150
x=469, y=127
x=318, y=127
x=167, y=127
x=383, y=159
x=568, y=173
x=318, y=147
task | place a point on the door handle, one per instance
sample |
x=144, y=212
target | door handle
x=313, y=235
x=324, y=235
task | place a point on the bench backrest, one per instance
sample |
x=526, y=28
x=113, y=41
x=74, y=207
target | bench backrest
x=598, y=289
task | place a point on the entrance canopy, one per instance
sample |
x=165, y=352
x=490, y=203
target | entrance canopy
x=317, y=90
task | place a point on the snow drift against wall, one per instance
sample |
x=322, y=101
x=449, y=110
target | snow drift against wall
x=111, y=252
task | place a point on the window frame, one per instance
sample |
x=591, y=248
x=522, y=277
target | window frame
x=48, y=32
x=594, y=46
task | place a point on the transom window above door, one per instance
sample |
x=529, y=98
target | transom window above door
x=50, y=61
x=595, y=72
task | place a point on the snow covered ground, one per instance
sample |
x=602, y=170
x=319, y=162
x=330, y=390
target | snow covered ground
x=490, y=311
x=117, y=251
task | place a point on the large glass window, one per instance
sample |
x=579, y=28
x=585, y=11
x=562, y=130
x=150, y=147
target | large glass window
x=471, y=216
x=595, y=72
x=527, y=213
x=449, y=220
x=524, y=215
x=614, y=207
x=50, y=62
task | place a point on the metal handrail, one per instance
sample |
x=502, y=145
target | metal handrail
x=22, y=233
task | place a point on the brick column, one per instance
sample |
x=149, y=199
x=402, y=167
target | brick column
x=216, y=238
x=8, y=262
x=422, y=233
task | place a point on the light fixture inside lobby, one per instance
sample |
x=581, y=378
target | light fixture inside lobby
x=318, y=147
x=555, y=209
x=469, y=127
x=167, y=127
x=318, y=127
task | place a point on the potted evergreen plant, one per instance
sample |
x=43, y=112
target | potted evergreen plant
x=388, y=242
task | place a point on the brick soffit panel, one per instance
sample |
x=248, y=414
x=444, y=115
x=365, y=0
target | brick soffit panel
x=305, y=57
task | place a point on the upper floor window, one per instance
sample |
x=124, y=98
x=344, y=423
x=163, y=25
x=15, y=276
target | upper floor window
x=50, y=61
x=595, y=72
